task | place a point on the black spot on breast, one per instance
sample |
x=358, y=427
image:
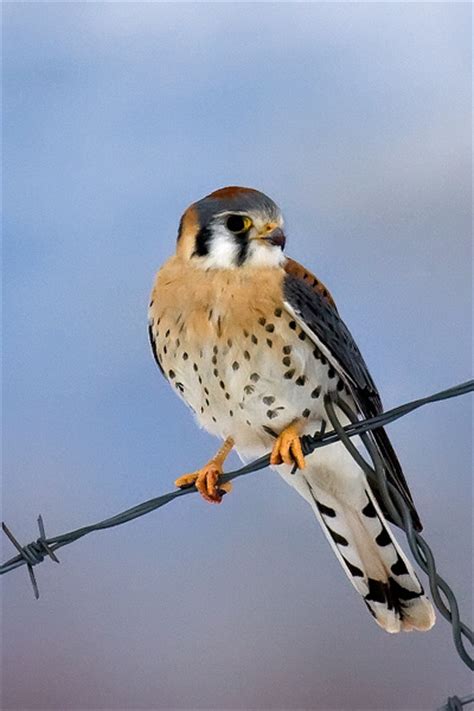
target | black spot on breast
x=306, y=413
x=268, y=399
x=286, y=350
x=269, y=342
x=195, y=368
x=270, y=328
x=246, y=333
x=278, y=313
x=222, y=384
x=216, y=373
x=271, y=414
x=171, y=374
x=340, y=385
x=300, y=380
x=180, y=387
x=254, y=377
x=254, y=338
x=235, y=365
x=246, y=355
x=289, y=374
x=302, y=336
x=248, y=389
x=262, y=321
x=229, y=342
x=286, y=361
x=292, y=325
x=215, y=350
x=214, y=360
x=316, y=392
x=331, y=372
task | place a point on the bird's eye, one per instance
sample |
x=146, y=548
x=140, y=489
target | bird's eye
x=238, y=223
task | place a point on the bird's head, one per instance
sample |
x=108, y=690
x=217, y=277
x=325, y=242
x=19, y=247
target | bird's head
x=230, y=228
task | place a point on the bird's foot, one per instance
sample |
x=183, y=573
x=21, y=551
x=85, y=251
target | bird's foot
x=206, y=481
x=287, y=448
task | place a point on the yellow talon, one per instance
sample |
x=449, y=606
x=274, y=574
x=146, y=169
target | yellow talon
x=287, y=448
x=186, y=480
x=206, y=479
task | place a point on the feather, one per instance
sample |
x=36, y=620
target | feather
x=321, y=322
x=359, y=535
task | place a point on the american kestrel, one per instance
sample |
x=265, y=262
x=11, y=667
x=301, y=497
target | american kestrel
x=253, y=342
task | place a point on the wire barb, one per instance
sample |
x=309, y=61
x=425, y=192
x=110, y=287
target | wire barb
x=454, y=703
x=443, y=597
x=401, y=516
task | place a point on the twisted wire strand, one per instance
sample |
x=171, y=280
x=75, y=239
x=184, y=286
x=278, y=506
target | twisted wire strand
x=401, y=516
x=454, y=703
x=34, y=553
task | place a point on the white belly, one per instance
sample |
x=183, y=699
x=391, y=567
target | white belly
x=252, y=384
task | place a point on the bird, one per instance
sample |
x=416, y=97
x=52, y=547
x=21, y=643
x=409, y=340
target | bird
x=253, y=343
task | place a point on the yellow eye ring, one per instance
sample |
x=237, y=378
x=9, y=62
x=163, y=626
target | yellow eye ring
x=238, y=224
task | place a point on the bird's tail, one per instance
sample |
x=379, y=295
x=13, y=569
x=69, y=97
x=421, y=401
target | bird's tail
x=372, y=559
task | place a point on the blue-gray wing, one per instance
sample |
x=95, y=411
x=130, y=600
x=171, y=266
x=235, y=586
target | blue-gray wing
x=316, y=313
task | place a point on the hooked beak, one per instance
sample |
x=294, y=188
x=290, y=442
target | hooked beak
x=273, y=235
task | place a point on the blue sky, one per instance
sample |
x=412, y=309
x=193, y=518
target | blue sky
x=356, y=119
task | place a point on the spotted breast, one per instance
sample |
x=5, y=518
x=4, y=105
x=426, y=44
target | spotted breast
x=235, y=355
x=252, y=342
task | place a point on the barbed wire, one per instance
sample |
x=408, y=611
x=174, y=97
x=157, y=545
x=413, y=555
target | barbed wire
x=443, y=597
x=454, y=703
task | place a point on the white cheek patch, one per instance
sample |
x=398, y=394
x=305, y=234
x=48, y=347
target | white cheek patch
x=264, y=255
x=223, y=251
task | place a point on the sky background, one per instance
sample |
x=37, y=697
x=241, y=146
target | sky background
x=355, y=119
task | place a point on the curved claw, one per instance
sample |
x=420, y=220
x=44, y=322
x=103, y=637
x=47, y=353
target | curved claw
x=287, y=448
x=206, y=482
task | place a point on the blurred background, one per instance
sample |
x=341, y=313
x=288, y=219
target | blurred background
x=355, y=118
